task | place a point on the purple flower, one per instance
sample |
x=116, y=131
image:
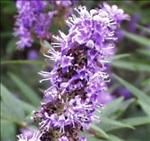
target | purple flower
x=122, y=92
x=133, y=22
x=32, y=21
x=32, y=55
x=78, y=79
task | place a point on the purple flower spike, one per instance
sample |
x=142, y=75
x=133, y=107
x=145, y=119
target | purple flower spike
x=32, y=55
x=79, y=76
x=32, y=20
x=78, y=79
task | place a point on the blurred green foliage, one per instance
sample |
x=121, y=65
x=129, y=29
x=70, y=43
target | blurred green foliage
x=120, y=120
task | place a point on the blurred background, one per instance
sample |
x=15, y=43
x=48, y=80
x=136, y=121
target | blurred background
x=127, y=113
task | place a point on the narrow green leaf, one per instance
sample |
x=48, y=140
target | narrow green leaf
x=126, y=104
x=26, y=90
x=8, y=114
x=120, y=56
x=8, y=131
x=144, y=29
x=139, y=39
x=114, y=138
x=5, y=62
x=137, y=121
x=99, y=132
x=133, y=66
x=136, y=92
x=145, y=107
x=110, y=124
x=123, y=108
x=93, y=138
x=11, y=105
x=146, y=82
x=27, y=107
x=144, y=52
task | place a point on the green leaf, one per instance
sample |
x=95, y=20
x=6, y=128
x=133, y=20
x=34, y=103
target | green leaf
x=5, y=62
x=8, y=131
x=145, y=107
x=120, y=56
x=11, y=107
x=93, y=138
x=146, y=82
x=137, y=121
x=126, y=104
x=135, y=91
x=114, y=138
x=123, y=107
x=27, y=107
x=144, y=29
x=139, y=39
x=99, y=132
x=26, y=90
x=133, y=66
x=8, y=114
x=110, y=124
x=144, y=52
